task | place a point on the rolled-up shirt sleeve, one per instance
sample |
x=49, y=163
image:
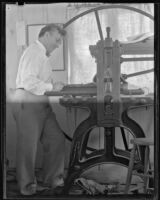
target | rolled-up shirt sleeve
x=35, y=85
x=32, y=66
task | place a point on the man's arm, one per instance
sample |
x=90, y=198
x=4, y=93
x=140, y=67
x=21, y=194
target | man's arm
x=35, y=85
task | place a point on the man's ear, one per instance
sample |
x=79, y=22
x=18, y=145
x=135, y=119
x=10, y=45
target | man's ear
x=46, y=34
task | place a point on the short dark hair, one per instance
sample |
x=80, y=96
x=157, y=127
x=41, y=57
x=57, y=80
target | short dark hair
x=52, y=28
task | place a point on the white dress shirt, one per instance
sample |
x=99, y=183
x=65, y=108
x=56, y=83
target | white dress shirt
x=34, y=72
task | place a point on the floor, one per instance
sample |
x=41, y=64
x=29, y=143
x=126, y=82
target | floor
x=12, y=192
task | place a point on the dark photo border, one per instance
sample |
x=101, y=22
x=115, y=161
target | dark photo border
x=156, y=195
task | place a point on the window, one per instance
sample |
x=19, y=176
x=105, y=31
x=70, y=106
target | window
x=123, y=23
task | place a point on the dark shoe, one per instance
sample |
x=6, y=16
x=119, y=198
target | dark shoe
x=28, y=195
x=59, y=190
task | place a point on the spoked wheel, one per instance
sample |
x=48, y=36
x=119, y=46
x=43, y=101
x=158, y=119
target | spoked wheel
x=95, y=10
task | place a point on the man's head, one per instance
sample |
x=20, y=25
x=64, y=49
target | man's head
x=51, y=36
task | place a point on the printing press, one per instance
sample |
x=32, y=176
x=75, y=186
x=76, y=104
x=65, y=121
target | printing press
x=108, y=101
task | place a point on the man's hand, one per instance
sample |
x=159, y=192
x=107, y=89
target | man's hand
x=57, y=86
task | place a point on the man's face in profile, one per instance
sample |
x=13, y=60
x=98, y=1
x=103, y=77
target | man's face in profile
x=54, y=40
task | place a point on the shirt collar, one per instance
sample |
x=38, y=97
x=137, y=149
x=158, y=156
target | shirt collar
x=41, y=45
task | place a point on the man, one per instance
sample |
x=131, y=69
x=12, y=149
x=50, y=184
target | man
x=34, y=117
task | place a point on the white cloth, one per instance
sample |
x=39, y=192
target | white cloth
x=34, y=72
